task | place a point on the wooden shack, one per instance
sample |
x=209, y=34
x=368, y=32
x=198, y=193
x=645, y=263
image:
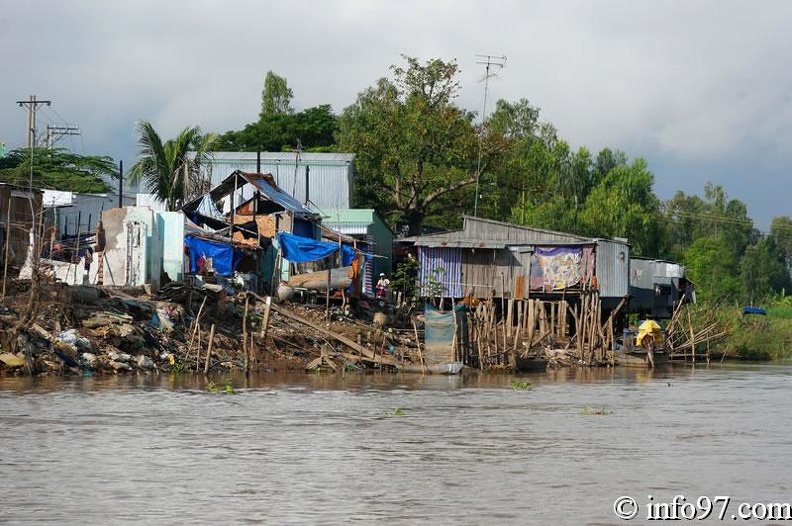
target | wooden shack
x=540, y=286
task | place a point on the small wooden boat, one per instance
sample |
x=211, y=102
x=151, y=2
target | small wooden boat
x=531, y=363
x=651, y=353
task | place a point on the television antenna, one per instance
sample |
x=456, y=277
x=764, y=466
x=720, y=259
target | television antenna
x=489, y=61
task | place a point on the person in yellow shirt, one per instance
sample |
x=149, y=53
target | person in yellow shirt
x=649, y=329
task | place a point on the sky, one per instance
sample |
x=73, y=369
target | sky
x=700, y=89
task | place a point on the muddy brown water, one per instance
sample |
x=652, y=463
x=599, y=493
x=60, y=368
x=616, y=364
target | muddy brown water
x=391, y=449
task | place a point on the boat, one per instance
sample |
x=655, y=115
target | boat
x=642, y=348
x=530, y=363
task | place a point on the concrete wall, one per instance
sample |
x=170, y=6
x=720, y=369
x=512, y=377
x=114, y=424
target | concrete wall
x=170, y=225
x=132, y=253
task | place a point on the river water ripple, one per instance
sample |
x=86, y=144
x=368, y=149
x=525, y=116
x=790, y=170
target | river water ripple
x=385, y=449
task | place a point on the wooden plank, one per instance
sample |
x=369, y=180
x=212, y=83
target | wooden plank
x=363, y=351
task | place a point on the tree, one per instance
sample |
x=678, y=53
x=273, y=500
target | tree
x=624, y=205
x=413, y=146
x=168, y=169
x=276, y=97
x=714, y=269
x=763, y=271
x=314, y=128
x=59, y=169
x=781, y=230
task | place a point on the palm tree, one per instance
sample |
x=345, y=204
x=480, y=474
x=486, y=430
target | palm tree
x=172, y=170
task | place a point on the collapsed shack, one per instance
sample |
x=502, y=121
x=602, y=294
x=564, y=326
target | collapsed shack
x=187, y=327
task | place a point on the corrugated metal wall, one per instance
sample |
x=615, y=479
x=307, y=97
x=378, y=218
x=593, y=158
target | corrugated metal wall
x=613, y=264
x=330, y=176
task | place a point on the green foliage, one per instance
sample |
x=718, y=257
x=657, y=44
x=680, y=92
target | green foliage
x=518, y=385
x=312, y=129
x=166, y=170
x=713, y=268
x=226, y=388
x=59, y=169
x=405, y=276
x=276, y=97
x=413, y=146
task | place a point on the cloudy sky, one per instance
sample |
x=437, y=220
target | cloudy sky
x=701, y=89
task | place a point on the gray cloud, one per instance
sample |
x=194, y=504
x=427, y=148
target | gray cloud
x=698, y=88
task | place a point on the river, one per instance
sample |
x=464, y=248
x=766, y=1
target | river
x=393, y=449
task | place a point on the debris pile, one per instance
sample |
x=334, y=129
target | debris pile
x=190, y=327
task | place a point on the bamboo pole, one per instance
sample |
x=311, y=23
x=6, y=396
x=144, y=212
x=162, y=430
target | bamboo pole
x=692, y=337
x=420, y=352
x=244, y=335
x=209, y=348
x=7, y=245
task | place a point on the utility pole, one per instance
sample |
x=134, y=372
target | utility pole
x=32, y=105
x=489, y=61
x=56, y=132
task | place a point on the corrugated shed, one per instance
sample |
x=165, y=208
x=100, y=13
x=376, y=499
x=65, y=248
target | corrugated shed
x=442, y=266
x=613, y=264
x=330, y=176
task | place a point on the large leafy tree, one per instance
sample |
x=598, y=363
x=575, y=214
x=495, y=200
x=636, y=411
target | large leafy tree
x=624, y=205
x=413, y=146
x=58, y=169
x=171, y=169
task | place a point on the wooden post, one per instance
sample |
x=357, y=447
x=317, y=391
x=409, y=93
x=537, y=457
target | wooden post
x=209, y=348
x=265, y=320
x=7, y=245
x=692, y=338
x=244, y=335
x=418, y=343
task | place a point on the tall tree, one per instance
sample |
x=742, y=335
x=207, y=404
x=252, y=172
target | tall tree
x=763, y=271
x=414, y=147
x=781, y=230
x=624, y=205
x=168, y=169
x=276, y=97
x=59, y=169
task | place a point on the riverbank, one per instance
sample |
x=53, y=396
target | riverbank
x=190, y=328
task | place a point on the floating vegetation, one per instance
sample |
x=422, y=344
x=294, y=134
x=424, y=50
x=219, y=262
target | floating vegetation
x=589, y=411
x=397, y=411
x=218, y=389
x=517, y=385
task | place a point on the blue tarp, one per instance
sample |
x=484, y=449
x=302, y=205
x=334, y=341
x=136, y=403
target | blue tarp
x=298, y=249
x=224, y=260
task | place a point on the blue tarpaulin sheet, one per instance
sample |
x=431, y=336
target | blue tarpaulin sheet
x=298, y=249
x=224, y=261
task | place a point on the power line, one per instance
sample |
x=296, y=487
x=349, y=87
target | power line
x=32, y=105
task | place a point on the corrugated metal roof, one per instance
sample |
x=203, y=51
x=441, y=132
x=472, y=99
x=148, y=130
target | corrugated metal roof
x=263, y=184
